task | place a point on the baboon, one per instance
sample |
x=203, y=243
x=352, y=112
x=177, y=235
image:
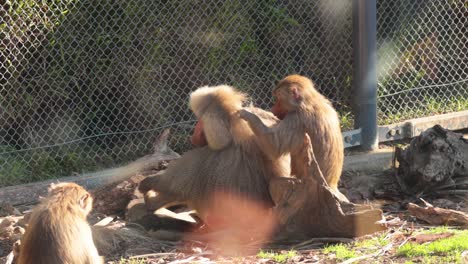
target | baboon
x=232, y=161
x=58, y=231
x=310, y=206
x=303, y=110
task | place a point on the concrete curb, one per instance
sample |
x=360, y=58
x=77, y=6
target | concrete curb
x=370, y=162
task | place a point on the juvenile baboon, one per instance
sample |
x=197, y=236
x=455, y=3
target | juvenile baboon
x=231, y=163
x=303, y=110
x=58, y=231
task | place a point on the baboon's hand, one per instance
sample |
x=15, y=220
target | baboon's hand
x=254, y=121
x=248, y=116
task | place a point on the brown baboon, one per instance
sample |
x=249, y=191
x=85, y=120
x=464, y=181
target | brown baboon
x=310, y=131
x=231, y=163
x=303, y=110
x=58, y=231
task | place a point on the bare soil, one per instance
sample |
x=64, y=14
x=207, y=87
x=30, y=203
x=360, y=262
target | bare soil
x=380, y=190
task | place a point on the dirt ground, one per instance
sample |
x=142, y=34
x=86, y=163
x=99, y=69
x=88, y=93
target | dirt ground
x=380, y=190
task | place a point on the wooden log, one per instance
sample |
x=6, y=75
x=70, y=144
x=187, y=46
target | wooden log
x=29, y=193
x=438, y=216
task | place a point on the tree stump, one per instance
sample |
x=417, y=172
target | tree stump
x=436, y=159
x=308, y=207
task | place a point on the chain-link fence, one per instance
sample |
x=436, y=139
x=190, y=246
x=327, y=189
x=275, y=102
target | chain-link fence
x=89, y=84
x=422, y=58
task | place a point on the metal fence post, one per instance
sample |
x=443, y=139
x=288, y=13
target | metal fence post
x=365, y=76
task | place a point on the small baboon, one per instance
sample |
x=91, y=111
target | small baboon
x=303, y=110
x=232, y=161
x=58, y=231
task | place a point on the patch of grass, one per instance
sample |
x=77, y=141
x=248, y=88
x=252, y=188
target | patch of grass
x=277, y=257
x=374, y=242
x=13, y=170
x=456, y=259
x=18, y=167
x=450, y=248
x=382, y=241
x=346, y=120
x=440, y=229
x=453, y=104
x=428, y=107
x=341, y=251
x=132, y=261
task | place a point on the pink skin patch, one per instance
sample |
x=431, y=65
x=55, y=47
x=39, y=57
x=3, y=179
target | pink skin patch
x=198, y=138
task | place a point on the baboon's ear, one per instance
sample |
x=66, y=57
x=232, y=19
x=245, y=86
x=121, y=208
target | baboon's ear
x=295, y=92
x=84, y=201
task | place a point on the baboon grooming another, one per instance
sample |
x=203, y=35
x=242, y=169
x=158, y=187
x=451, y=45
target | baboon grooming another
x=231, y=163
x=311, y=205
x=303, y=110
x=58, y=231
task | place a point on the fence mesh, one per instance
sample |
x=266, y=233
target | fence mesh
x=88, y=84
x=422, y=58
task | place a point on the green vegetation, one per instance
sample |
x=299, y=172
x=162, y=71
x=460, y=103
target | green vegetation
x=429, y=106
x=341, y=251
x=132, y=261
x=101, y=71
x=37, y=165
x=131, y=69
x=346, y=120
x=411, y=85
x=372, y=243
x=447, y=250
x=440, y=229
x=277, y=257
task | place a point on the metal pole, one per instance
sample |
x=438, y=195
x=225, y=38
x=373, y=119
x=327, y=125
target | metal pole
x=365, y=76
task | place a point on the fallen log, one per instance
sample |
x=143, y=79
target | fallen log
x=29, y=193
x=438, y=216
